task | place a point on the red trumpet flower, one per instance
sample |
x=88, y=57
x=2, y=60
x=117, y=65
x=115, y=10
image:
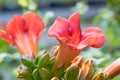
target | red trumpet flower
x=72, y=40
x=24, y=32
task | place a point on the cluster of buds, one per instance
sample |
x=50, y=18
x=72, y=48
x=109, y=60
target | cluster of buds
x=42, y=68
x=61, y=62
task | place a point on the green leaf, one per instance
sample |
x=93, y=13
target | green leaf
x=4, y=46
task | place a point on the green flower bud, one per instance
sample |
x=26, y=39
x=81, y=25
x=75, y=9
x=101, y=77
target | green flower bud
x=24, y=73
x=28, y=62
x=42, y=52
x=71, y=73
x=44, y=61
x=35, y=74
x=44, y=74
x=73, y=70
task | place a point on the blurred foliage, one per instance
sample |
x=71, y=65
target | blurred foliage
x=8, y=64
x=4, y=46
x=109, y=20
x=24, y=3
x=114, y=5
x=29, y=5
x=1, y=1
x=81, y=7
x=48, y=18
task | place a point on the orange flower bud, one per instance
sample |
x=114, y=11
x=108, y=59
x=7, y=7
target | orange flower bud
x=100, y=76
x=54, y=78
x=86, y=71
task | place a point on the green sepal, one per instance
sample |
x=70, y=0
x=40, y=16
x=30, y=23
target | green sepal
x=42, y=52
x=43, y=61
x=35, y=74
x=28, y=62
x=25, y=76
x=44, y=74
x=24, y=73
x=41, y=74
x=51, y=62
x=71, y=73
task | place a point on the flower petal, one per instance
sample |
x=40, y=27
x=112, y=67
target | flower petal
x=34, y=24
x=59, y=29
x=15, y=26
x=6, y=37
x=74, y=28
x=93, y=37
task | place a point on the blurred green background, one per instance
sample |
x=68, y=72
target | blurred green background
x=101, y=13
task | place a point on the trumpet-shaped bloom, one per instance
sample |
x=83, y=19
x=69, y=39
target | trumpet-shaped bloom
x=71, y=38
x=24, y=32
x=113, y=69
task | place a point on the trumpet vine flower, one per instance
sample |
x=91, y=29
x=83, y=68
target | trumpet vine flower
x=24, y=32
x=113, y=69
x=72, y=40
